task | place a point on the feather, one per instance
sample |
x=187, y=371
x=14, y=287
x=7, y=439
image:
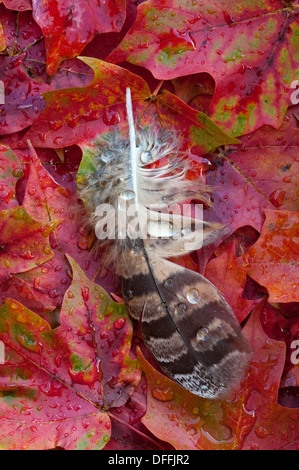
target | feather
x=135, y=198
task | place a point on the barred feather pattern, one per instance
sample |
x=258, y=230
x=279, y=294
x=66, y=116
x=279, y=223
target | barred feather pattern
x=186, y=323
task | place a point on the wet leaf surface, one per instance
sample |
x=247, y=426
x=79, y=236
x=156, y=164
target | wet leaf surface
x=11, y=170
x=69, y=26
x=247, y=47
x=23, y=100
x=207, y=71
x=24, y=242
x=273, y=259
x=60, y=380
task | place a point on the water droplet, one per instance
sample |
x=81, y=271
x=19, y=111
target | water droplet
x=157, y=229
x=57, y=360
x=164, y=394
x=119, y=323
x=129, y=294
x=168, y=282
x=192, y=431
x=145, y=157
x=53, y=293
x=180, y=309
x=202, y=334
x=127, y=195
x=26, y=255
x=135, y=250
x=82, y=243
x=28, y=341
x=85, y=293
x=193, y=296
x=18, y=172
x=277, y=197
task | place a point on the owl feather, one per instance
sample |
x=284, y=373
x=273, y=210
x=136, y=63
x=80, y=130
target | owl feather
x=186, y=324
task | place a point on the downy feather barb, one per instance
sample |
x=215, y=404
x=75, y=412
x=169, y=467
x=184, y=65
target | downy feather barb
x=186, y=323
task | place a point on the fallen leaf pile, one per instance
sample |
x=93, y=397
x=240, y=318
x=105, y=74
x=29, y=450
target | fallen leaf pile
x=75, y=375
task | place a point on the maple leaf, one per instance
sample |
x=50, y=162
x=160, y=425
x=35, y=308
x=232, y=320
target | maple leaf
x=41, y=409
x=10, y=170
x=70, y=378
x=77, y=115
x=254, y=176
x=45, y=200
x=98, y=332
x=19, y=5
x=20, y=31
x=24, y=242
x=248, y=420
x=23, y=100
x=16, y=288
x=247, y=47
x=69, y=26
x=55, y=383
x=230, y=278
x=273, y=259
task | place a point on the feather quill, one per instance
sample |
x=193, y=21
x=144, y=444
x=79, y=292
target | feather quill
x=186, y=323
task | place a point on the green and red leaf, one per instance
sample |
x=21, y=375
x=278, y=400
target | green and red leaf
x=70, y=377
x=24, y=242
x=249, y=48
x=42, y=410
x=77, y=115
x=98, y=333
x=10, y=171
x=55, y=384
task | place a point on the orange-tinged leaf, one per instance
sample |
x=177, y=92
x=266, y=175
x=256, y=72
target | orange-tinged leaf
x=38, y=410
x=273, y=259
x=230, y=278
x=64, y=378
x=2, y=39
x=78, y=115
x=24, y=243
x=189, y=422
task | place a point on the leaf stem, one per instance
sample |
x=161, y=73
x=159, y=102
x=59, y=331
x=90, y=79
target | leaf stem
x=144, y=436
